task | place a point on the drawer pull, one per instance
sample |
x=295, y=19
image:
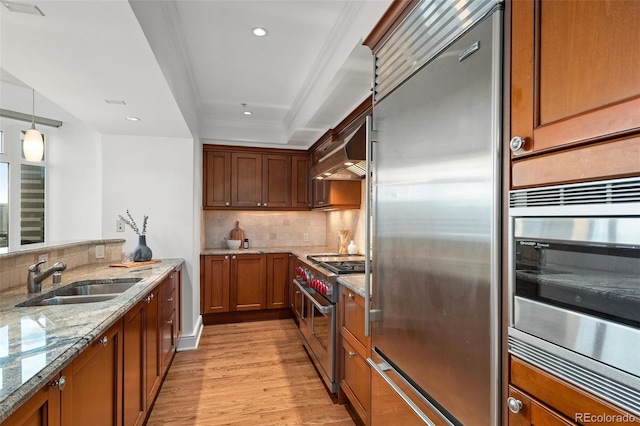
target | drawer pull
x=60, y=383
x=103, y=342
x=351, y=354
x=350, y=296
x=170, y=299
x=170, y=322
x=514, y=405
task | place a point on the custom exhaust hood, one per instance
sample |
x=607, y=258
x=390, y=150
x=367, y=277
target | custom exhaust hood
x=346, y=162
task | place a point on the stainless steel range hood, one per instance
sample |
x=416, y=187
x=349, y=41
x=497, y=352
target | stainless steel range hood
x=345, y=162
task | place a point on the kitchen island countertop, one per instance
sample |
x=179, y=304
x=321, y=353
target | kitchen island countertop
x=38, y=341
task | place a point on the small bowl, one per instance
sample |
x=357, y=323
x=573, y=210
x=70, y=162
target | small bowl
x=233, y=244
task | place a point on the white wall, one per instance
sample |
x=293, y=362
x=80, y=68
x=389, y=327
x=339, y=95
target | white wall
x=74, y=183
x=155, y=176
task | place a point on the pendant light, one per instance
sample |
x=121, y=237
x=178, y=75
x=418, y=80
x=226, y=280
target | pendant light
x=33, y=144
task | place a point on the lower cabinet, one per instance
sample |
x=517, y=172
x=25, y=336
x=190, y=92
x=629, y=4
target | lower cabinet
x=244, y=282
x=43, y=408
x=539, y=398
x=355, y=384
x=93, y=391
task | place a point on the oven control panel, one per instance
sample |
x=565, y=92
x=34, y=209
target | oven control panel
x=314, y=280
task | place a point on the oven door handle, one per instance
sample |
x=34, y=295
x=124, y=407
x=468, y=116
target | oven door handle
x=328, y=309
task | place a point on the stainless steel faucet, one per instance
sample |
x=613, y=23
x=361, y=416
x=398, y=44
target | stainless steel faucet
x=35, y=277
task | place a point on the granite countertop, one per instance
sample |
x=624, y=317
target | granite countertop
x=354, y=282
x=36, y=342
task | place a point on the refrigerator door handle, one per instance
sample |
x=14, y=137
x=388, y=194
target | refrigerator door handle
x=370, y=135
x=380, y=369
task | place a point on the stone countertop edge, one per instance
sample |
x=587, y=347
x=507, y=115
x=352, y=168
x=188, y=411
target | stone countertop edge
x=72, y=346
x=354, y=282
x=59, y=246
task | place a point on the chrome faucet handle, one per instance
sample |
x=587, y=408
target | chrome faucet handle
x=36, y=266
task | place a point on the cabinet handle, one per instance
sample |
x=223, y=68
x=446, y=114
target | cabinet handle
x=516, y=143
x=233, y=257
x=259, y=204
x=226, y=204
x=170, y=322
x=170, y=299
x=103, y=342
x=514, y=405
x=226, y=257
x=350, y=296
x=264, y=205
x=351, y=354
x=60, y=383
x=171, y=276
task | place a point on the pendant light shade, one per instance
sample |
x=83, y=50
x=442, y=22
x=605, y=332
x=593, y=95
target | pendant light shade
x=33, y=143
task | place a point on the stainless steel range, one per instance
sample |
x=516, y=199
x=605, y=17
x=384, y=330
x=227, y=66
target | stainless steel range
x=314, y=305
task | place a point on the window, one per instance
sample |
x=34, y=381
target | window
x=22, y=191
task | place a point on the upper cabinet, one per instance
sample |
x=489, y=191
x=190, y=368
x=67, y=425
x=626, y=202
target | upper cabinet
x=255, y=179
x=575, y=91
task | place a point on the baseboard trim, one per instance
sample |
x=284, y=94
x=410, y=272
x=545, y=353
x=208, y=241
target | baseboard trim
x=190, y=343
x=247, y=316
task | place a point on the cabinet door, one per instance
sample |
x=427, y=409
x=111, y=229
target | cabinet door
x=246, y=179
x=135, y=406
x=167, y=323
x=574, y=79
x=277, y=281
x=215, y=284
x=353, y=319
x=93, y=393
x=176, y=278
x=276, y=180
x=153, y=372
x=532, y=412
x=248, y=284
x=216, y=175
x=300, y=182
x=320, y=192
x=42, y=409
x=356, y=380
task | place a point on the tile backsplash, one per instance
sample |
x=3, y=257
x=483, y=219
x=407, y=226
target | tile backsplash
x=266, y=229
x=13, y=266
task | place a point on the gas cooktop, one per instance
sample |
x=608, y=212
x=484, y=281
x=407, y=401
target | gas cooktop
x=340, y=263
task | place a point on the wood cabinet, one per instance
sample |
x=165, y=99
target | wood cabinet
x=575, y=92
x=217, y=179
x=355, y=382
x=255, y=179
x=244, y=287
x=336, y=194
x=300, y=182
x=215, y=285
x=539, y=398
x=135, y=401
x=42, y=409
x=277, y=280
x=168, y=321
x=93, y=391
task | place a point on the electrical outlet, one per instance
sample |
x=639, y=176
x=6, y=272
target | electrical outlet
x=44, y=257
x=305, y=237
x=100, y=252
x=119, y=225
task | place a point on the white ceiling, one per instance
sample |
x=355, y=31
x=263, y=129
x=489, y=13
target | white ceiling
x=186, y=66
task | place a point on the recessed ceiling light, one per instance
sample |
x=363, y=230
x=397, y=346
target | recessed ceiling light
x=115, y=102
x=132, y=118
x=247, y=112
x=259, y=31
x=22, y=8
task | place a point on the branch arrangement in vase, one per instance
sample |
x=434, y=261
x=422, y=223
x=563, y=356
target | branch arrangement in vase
x=131, y=223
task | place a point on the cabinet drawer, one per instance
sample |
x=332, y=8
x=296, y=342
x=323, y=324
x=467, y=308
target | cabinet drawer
x=353, y=319
x=356, y=380
x=166, y=289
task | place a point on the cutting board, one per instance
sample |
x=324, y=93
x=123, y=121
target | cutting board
x=135, y=264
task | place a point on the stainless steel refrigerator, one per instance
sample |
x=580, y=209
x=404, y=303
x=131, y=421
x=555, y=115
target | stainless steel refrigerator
x=436, y=218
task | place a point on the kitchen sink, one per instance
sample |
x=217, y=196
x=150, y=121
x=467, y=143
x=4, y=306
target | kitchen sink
x=72, y=300
x=87, y=291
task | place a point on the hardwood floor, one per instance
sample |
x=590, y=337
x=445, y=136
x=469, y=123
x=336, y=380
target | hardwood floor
x=254, y=373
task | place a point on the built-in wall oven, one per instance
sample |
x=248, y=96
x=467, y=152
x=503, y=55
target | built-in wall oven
x=314, y=305
x=574, y=285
